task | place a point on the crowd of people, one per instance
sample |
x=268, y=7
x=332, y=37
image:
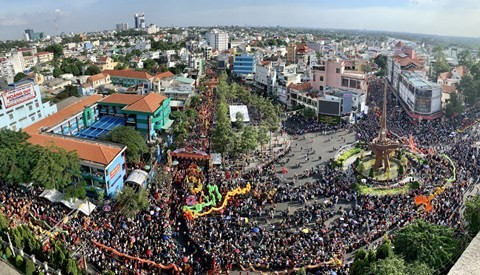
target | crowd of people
x=324, y=220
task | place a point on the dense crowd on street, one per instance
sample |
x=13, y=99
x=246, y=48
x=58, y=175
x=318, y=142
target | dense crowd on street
x=330, y=219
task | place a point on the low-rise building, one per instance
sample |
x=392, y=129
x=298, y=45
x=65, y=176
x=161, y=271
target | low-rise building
x=128, y=78
x=44, y=57
x=99, y=79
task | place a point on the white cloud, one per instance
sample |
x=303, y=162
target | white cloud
x=10, y=21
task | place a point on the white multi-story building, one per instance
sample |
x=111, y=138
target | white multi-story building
x=121, y=27
x=265, y=77
x=420, y=98
x=218, y=40
x=21, y=105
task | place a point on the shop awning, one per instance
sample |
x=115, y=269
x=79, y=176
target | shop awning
x=167, y=125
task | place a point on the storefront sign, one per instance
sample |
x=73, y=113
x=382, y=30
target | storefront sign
x=114, y=171
x=18, y=95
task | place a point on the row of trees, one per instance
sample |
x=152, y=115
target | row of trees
x=24, y=239
x=420, y=248
x=50, y=166
x=246, y=138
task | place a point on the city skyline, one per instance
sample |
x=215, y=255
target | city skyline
x=440, y=17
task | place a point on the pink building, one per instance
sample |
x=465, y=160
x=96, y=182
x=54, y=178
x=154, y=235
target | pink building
x=332, y=73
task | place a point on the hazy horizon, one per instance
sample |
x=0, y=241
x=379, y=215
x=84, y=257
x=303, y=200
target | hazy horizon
x=437, y=17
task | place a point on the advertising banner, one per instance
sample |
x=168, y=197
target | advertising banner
x=18, y=95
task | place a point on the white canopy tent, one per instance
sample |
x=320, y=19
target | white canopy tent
x=53, y=195
x=234, y=109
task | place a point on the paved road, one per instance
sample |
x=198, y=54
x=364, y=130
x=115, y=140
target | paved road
x=5, y=269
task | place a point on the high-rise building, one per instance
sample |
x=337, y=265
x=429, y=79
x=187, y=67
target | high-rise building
x=139, y=20
x=218, y=40
x=121, y=27
x=28, y=34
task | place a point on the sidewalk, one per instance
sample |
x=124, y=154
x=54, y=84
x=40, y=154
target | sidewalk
x=6, y=269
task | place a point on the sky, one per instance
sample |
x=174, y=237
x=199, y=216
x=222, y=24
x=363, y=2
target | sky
x=443, y=17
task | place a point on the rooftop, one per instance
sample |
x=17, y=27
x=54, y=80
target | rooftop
x=101, y=153
x=128, y=74
x=418, y=81
x=468, y=262
x=148, y=104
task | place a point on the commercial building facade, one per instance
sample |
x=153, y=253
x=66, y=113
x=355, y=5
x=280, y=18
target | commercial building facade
x=420, y=98
x=21, y=105
x=244, y=64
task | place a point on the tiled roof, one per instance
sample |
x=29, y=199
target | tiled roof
x=87, y=150
x=42, y=53
x=300, y=87
x=448, y=89
x=445, y=75
x=62, y=114
x=163, y=75
x=97, y=77
x=148, y=104
x=128, y=74
x=121, y=99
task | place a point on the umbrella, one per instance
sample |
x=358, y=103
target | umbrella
x=107, y=208
x=305, y=230
x=175, y=162
x=284, y=170
x=149, y=252
x=237, y=250
x=185, y=259
x=256, y=230
x=165, y=237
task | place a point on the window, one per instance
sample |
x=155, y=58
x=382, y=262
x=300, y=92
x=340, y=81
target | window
x=37, y=104
x=345, y=82
x=39, y=115
x=314, y=77
x=33, y=118
x=321, y=78
x=337, y=70
x=10, y=116
x=30, y=107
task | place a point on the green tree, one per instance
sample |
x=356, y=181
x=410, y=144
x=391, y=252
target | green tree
x=19, y=261
x=472, y=215
x=19, y=76
x=150, y=65
x=469, y=88
x=56, y=49
x=72, y=267
x=381, y=62
x=465, y=58
x=239, y=121
x=248, y=140
x=441, y=64
x=71, y=90
x=3, y=222
x=132, y=201
x=454, y=106
x=128, y=136
x=418, y=268
x=56, y=168
x=76, y=190
x=262, y=136
x=92, y=70
x=195, y=101
x=425, y=242
x=385, y=250
x=29, y=267
x=308, y=113
x=393, y=265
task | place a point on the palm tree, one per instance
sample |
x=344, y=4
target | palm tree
x=132, y=201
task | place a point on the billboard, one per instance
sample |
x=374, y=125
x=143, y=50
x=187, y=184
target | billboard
x=347, y=103
x=329, y=107
x=18, y=95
